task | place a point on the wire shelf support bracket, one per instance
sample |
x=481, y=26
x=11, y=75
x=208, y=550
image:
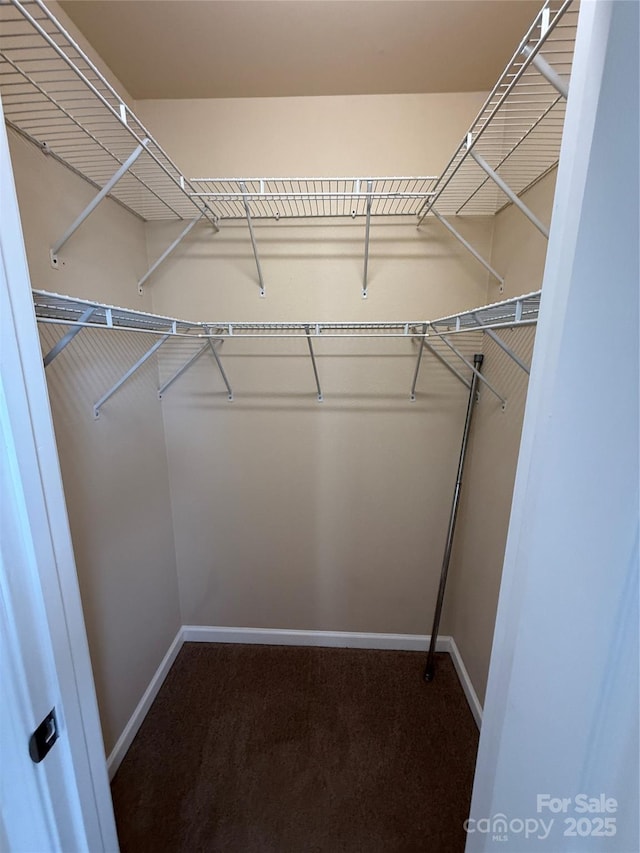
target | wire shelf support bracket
x=506, y=189
x=100, y=403
x=55, y=351
x=170, y=249
x=412, y=395
x=247, y=210
x=547, y=71
x=366, y=239
x=467, y=245
x=192, y=360
x=454, y=349
x=505, y=348
x=314, y=365
x=71, y=230
x=221, y=369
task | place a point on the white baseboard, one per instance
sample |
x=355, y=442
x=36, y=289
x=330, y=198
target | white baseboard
x=285, y=637
x=331, y=639
x=131, y=729
x=467, y=686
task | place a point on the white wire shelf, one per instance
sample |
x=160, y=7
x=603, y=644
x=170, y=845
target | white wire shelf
x=432, y=336
x=70, y=311
x=520, y=311
x=285, y=198
x=518, y=131
x=55, y=96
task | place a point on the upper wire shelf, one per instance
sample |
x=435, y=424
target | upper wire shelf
x=518, y=131
x=56, y=97
x=276, y=198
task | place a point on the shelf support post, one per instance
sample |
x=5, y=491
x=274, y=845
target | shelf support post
x=366, y=239
x=498, y=340
x=468, y=246
x=106, y=189
x=313, y=362
x=128, y=375
x=247, y=210
x=181, y=370
x=64, y=341
x=506, y=189
x=549, y=73
x=170, y=249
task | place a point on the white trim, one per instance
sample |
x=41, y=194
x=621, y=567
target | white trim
x=77, y=776
x=131, y=729
x=331, y=639
x=465, y=681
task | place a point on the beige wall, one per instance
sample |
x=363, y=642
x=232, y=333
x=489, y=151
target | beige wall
x=350, y=135
x=114, y=469
x=476, y=566
x=288, y=512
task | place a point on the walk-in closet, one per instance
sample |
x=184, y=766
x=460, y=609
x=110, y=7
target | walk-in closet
x=287, y=409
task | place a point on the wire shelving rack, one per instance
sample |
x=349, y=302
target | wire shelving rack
x=518, y=131
x=56, y=97
x=78, y=314
x=301, y=198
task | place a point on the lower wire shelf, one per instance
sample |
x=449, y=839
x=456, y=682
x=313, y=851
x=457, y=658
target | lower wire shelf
x=78, y=314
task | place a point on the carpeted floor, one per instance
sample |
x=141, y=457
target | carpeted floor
x=275, y=749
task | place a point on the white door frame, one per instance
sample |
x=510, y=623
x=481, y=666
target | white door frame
x=561, y=714
x=35, y=472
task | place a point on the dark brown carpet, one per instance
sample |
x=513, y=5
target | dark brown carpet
x=274, y=749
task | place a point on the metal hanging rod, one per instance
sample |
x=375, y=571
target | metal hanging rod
x=518, y=131
x=54, y=95
x=303, y=198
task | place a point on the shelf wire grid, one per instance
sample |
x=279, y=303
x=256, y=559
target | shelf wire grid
x=519, y=311
x=56, y=97
x=518, y=131
x=69, y=311
x=300, y=198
